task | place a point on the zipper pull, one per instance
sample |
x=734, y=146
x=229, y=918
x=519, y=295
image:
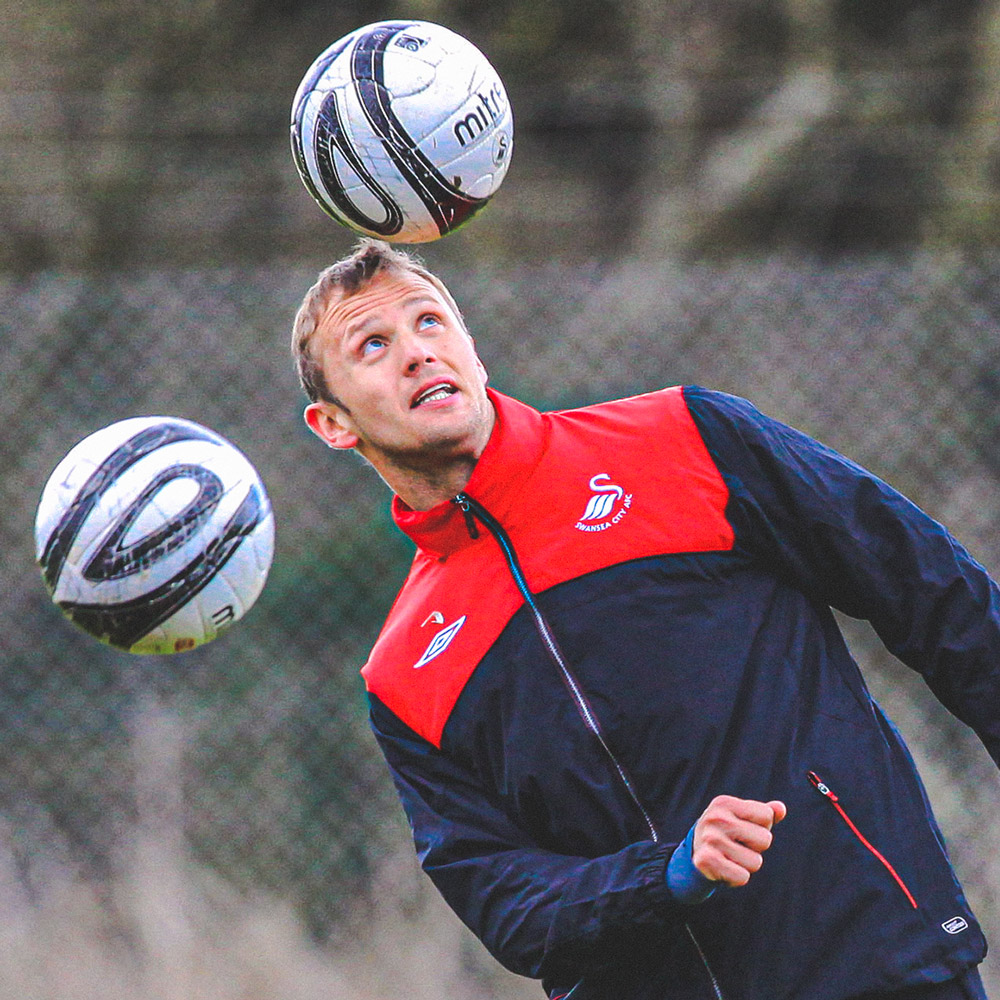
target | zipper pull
x=817, y=782
x=470, y=522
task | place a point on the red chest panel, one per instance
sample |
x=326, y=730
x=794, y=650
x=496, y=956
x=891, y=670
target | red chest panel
x=613, y=482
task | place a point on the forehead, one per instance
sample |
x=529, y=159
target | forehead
x=383, y=295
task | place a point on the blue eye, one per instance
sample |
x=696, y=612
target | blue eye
x=371, y=345
x=428, y=319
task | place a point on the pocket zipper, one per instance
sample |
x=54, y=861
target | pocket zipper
x=817, y=782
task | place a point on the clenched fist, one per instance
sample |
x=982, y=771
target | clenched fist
x=731, y=836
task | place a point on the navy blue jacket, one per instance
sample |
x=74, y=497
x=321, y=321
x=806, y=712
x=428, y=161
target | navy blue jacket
x=627, y=613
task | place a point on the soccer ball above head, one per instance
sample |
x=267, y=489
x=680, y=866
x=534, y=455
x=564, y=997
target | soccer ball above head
x=154, y=534
x=402, y=130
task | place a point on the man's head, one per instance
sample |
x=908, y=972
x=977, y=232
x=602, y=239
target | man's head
x=391, y=370
x=368, y=260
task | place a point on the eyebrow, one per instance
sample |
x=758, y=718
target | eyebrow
x=416, y=298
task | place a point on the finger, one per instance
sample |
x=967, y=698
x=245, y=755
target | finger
x=750, y=810
x=779, y=809
x=717, y=867
x=757, y=838
x=765, y=814
x=744, y=857
x=719, y=834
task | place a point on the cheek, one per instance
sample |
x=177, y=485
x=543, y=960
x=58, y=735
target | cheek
x=354, y=388
x=469, y=357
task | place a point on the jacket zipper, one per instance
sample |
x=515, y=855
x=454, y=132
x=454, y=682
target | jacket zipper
x=817, y=782
x=472, y=509
x=716, y=989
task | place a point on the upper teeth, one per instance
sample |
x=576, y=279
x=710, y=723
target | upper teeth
x=438, y=392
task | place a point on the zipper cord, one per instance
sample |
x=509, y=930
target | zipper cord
x=472, y=507
x=817, y=782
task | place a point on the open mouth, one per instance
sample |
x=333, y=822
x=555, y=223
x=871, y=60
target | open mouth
x=433, y=393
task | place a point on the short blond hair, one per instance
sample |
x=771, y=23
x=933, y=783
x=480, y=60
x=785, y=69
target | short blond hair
x=347, y=277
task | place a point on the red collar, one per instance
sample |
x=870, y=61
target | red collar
x=514, y=449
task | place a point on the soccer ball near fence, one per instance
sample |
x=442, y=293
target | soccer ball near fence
x=402, y=130
x=154, y=534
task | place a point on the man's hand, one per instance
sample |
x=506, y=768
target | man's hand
x=731, y=837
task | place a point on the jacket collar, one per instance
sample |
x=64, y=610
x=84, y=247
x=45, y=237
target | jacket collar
x=514, y=449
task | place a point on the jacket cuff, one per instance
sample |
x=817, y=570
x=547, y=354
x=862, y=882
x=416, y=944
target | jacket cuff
x=687, y=885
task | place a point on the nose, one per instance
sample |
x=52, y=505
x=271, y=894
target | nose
x=416, y=353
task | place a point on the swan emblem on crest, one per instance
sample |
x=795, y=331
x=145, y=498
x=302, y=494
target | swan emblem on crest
x=605, y=495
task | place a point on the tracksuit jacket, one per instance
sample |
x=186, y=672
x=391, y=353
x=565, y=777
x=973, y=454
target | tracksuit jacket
x=627, y=613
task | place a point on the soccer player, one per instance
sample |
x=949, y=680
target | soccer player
x=636, y=755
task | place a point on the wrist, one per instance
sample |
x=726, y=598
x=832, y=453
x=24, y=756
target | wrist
x=686, y=883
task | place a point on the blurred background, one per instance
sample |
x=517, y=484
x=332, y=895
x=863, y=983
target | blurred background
x=793, y=200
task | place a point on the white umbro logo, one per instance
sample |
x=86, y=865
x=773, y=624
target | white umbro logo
x=956, y=925
x=607, y=505
x=440, y=642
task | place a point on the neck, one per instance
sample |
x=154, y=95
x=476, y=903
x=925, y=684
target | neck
x=425, y=480
x=423, y=489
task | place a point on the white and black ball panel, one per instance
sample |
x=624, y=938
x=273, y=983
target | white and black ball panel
x=145, y=526
x=402, y=130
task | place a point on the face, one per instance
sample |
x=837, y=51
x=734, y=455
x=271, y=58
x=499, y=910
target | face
x=412, y=385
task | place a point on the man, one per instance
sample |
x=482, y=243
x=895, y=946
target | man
x=613, y=670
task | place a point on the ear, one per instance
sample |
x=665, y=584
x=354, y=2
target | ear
x=330, y=424
x=484, y=375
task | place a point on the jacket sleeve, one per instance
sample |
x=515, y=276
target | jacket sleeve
x=541, y=914
x=851, y=541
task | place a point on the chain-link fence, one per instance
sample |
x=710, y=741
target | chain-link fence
x=218, y=823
